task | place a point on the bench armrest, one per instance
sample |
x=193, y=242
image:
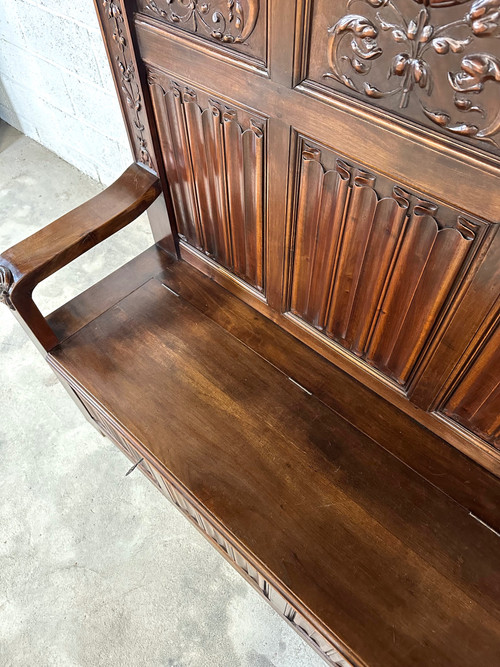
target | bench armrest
x=29, y=262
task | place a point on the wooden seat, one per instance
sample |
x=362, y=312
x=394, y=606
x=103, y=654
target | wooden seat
x=307, y=363
x=378, y=562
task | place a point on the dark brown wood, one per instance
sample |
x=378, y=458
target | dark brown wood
x=29, y=262
x=296, y=483
x=384, y=308
x=88, y=305
x=439, y=463
x=334, y=168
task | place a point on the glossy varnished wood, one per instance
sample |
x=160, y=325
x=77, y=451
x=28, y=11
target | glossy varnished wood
x=29, y=262
x=440, y=464
x=394, y=570
x=323, y=253
x=359, y=225
x=455, y=474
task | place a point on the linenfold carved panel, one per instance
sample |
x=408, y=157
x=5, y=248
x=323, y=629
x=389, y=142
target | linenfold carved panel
x=437, y=63
x=373, y=265
x=214, y=159
x=475, y=402
x=240, y=25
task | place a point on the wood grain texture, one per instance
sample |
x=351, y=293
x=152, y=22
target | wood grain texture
x=475, y=403
x=205, y=524
x=297, y=484
x=366, y=229
x=215, y=165
x=371, y=272
x=440, y=464
x=56, y=245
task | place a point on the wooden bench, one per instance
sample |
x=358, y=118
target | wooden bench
x=327, y=420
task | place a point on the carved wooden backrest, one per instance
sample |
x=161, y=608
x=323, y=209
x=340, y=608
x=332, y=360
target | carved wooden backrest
x=336, y=165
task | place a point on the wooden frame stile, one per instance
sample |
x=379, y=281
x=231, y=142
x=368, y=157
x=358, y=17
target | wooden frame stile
x=115, y=17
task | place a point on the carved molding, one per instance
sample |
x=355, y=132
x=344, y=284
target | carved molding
x=129, y=88
x=374, y=273
x=356, y=53
x=6, y=282
x=230, y=21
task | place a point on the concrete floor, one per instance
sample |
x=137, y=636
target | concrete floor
x=97, y=568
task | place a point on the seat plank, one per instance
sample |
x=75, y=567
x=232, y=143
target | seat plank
x=437, y=461
x=395, y=568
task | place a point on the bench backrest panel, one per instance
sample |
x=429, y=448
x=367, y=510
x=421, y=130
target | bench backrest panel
x=337, y=166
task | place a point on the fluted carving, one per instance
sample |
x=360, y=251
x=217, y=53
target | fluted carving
x=372, y=273
x=475, y=401
x=216, y=171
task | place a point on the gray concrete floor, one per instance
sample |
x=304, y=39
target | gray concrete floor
x=97, y=568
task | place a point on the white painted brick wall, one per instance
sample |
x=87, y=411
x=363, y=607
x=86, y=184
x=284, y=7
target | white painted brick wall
x=56, y=85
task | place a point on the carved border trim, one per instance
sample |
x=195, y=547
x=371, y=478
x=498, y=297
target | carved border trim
x=113, y=20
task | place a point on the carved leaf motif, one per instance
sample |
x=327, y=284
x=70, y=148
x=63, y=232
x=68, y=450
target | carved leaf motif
x=354, y=47
x=129, y=86
x=484, y=17
x=234, y=23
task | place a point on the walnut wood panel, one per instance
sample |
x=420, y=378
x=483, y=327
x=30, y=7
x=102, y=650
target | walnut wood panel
x=475, y=402
x=375, y=273
x=297, y=484
x=235, y=556
x=234, y=29
x=214, y=156
x=363, y=136
x=439, y=463
x=436, y=63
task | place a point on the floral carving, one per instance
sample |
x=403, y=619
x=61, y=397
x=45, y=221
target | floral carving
x=409, y=71
x=128, y=83
x=233, y=25
x=5, y=286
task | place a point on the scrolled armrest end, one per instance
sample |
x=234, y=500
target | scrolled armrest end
x=6, y=283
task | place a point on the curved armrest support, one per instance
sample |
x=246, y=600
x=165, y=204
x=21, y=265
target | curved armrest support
x=29, y=262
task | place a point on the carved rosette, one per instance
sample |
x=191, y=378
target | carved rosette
x=381, y=42
x=230, y=22
x=130, y=90
x=6, y=282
